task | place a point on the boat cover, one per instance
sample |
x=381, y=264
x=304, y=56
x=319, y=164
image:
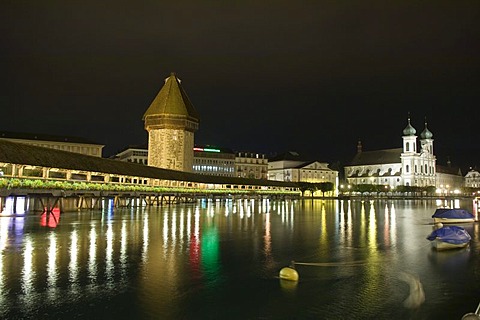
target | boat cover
x=452, y=214
x=450, y=234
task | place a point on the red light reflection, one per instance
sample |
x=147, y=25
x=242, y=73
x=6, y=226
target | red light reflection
x=50, y=218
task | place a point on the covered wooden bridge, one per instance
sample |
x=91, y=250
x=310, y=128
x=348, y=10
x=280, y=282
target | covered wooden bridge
x=50, y=175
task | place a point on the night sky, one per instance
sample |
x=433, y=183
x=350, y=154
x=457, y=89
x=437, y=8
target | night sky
x=265, y=76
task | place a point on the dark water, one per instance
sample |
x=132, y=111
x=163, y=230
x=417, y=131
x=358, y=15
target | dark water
x=221, y=260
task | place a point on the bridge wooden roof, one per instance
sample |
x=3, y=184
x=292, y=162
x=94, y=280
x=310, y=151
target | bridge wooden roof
x=25, y=154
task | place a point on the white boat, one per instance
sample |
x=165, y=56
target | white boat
x=447, y=215
x=439, y=244
x=450, y=220
x=449, y=237
x=453, y=220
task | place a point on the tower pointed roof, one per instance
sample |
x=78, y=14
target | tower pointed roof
x=172, y=100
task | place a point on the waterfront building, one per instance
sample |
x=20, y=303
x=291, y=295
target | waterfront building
x=213, y=161
x=412, y=165
x=290, y=167
x=379, y=167
x=449, y=179
x=251, y=165
x=133, y=153
x=65, y=143
x=472, y=179
x=171, y=121
x=206, y=160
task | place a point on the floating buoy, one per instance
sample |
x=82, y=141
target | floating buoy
x=288, y=273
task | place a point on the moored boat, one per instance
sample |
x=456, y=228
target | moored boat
x=447, y=215
x=442, y=245
x=449, y=237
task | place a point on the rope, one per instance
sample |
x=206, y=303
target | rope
x=333, y=264
x=340, y=264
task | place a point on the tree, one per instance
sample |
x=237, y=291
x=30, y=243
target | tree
x=430, y=190
x=362, y=188
x=324, y=187
x=306, y=186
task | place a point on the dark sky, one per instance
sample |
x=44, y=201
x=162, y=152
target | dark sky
x=265, y=76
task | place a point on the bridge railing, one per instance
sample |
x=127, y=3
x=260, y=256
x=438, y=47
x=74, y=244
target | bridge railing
x=9, y=186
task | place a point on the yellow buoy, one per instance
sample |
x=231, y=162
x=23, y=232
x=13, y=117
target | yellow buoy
x=288, y=273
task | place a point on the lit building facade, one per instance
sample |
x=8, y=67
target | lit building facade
x=135, y=154
x=472, y=179
x=449, y=179
x=171, y=121
x=214, y=161
x=251, y=165
x=412, y=165
x=289, y=167
x=206, y=159
x=418, y=164
x=70, y=144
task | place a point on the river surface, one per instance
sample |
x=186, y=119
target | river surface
x=221, y=260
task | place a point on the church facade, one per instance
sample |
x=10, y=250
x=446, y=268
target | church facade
x=412, y=165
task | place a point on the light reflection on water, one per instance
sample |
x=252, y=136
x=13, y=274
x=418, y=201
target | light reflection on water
x=220, y=259
x=73, y=264
x=92, y=263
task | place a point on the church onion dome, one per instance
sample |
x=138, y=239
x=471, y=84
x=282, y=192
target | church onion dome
x=409, y=130
x=426, y=134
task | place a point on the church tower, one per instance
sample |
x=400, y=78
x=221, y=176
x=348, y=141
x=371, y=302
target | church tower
x=409, y=138
x=409, y=154
x=418, y=166
x=426, y=141
x=171, y=121
x=427, y=158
